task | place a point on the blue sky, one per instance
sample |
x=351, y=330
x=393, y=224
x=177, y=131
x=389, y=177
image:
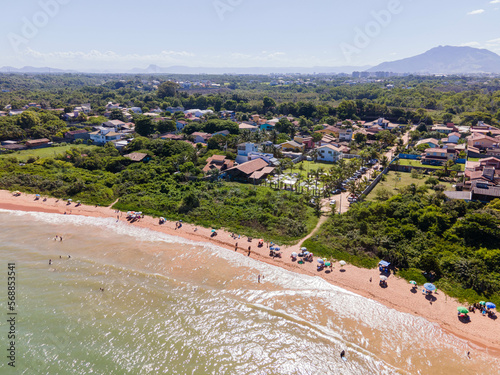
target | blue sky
x=120, y=35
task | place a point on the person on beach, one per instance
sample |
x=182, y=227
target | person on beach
x=342, y=354
x=258, y=278
x=468, y=355
x=50, y=262
x=249, y=250
x=370, y=279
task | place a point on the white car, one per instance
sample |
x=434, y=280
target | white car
x=332, y=202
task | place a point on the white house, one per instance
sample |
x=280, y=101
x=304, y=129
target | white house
x=453, y=137
x=329, y=153
x=345, y=135
x=104, y=136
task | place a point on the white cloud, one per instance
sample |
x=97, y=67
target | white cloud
x=94, y=55
x=474, y=12
x=495, y=2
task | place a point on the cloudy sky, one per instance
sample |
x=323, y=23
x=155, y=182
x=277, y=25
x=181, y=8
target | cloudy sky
x=120, y=35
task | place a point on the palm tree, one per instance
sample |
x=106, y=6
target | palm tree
x=384, y=161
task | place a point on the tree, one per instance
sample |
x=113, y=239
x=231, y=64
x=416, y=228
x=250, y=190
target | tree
x=317, y=137
x=167, y=89
x=116, y=114
x=143, y=125
x=28, y=120
x=268, y=103
x=360, y=138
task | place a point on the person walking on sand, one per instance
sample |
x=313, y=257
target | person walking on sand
x=249, y=250
x=50, y=262
x=258, y=278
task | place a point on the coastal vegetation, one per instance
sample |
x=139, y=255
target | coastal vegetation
x=452, y=243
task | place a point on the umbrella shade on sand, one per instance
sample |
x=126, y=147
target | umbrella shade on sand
x=490, y=305
x=429, y=287
x=383, y=278
x=38, y=195
x=413, y=282
x=342, y=263
x=303, y=249
x=462, y=310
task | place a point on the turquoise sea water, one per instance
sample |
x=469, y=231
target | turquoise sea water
x=174, y=307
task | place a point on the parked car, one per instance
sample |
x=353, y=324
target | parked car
x=332, y=202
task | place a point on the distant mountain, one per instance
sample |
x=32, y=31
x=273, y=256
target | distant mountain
x=152, y=69
x=445, y=60
x=32, y=69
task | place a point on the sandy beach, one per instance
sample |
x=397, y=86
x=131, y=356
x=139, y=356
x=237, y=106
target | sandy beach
x=481, y=332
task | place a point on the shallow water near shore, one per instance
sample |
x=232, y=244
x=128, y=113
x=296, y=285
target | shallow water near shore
x=171, y=306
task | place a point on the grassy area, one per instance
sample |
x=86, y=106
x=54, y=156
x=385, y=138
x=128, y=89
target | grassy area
x=41, y=153
x=403, y=179
x=474, y=159
x=304, y=166
x=417, y=163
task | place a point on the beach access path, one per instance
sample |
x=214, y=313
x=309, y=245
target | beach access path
x=482, y=333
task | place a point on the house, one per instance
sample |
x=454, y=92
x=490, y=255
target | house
x=180, y=124
x=115, y=124
x=243, y=172
x=73, y=135
x=138, y=157
x=452, y=138
x=482, y=142
x=219, y=162
x=332, y=130
x=345, y=134
x=266, y=127
x=439, y=156
x=249, y=151
x=484, y=192
x=444, y=129
x=429, y=142
x=38, y=143
x=329, y=153
x=200, y=137
x=251, y=128
x=306, y=141
x=225, y=133
x=292, y=146
x=174, y=109
x=103, y=136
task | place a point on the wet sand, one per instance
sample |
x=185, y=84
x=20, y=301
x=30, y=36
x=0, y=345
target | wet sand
x=482, y=333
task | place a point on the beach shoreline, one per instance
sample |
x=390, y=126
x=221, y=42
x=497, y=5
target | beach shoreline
x=481, y=333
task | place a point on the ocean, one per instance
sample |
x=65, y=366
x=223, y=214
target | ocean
x=171, y=306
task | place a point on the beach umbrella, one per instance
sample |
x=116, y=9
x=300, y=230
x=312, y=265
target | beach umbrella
x=462, y=310
x=430, y=287
x=490, y=305
x=213, y=230
x=383, y=278
x=321, y=261
x=413, y=282
x=70, y=200
x=272, y=248
x=38, y=195
x=78, y=201
x=277, y=248
x=294, y=255
x=303, y=249
x=328, y=264
x=306, y=253
x=342, y=263
x=261, y=240
x=482, y=303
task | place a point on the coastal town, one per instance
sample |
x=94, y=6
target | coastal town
x=388, y=203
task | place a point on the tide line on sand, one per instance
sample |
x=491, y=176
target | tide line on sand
x=481, y=332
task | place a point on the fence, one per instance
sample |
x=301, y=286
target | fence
x=375, y=182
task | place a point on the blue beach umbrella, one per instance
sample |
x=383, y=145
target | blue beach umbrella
x=272, y=248
x=490, y=305
x=430, y=287
x=38, y=195
x=321, y=261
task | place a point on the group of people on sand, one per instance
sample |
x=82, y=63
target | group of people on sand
x=58, y=238
x=482, y=309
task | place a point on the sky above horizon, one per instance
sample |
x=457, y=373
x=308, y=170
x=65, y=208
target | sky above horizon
x=121, y=35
